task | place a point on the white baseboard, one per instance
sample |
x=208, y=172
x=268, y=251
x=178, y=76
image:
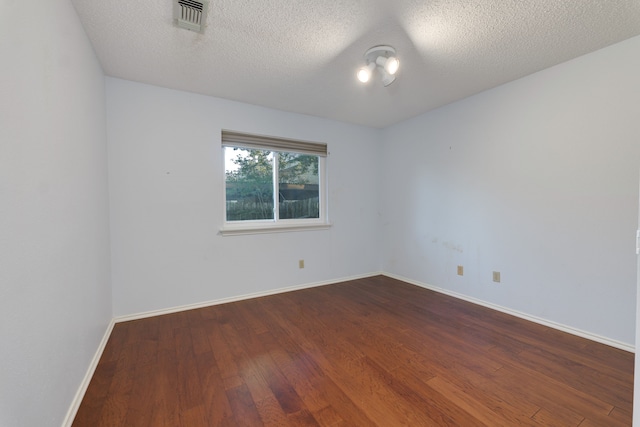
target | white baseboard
x=177, y=309
x=77, y=399
x=564, y=328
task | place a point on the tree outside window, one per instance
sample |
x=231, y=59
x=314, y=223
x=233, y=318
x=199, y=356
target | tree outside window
x=251, y=192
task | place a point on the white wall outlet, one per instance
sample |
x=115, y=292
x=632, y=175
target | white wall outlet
x=460, y=270
x=496, y=276
x=301, y=263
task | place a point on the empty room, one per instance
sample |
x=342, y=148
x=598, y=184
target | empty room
x=329, y=213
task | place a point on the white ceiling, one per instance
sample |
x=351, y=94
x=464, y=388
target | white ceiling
x=302, y=55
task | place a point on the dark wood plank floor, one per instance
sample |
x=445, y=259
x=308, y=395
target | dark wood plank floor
x=371, y=352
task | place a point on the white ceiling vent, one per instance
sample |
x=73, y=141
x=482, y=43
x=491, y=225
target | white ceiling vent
x=191, y=14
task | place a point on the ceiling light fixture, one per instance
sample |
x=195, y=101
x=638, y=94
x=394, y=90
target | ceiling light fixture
x=382, y=58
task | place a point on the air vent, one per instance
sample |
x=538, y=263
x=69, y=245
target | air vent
x=191, y=14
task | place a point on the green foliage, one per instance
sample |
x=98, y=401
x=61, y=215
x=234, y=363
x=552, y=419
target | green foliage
x=255, y=166
x=297, y=168
x=250, y=184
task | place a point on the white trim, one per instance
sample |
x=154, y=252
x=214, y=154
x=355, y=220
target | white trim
x=169, y=310
x=564, y=328
x=264, y=229
x=77, y=399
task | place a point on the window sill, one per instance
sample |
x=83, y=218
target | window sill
x=265, y=229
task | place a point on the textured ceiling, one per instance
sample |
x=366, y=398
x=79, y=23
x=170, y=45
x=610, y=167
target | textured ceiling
x=302, y=55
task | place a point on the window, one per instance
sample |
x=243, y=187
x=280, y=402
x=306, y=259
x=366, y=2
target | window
x=273, y=184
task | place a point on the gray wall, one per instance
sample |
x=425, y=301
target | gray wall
x=55, y=295
x=537, y=179
x=166, y=177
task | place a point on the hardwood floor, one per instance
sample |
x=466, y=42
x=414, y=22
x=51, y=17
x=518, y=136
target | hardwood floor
x=371, y=352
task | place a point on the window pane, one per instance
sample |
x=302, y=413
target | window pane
x=298, y=186
x=249, y=184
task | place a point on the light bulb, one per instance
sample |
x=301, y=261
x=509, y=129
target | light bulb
x=364, y=73
x=392, y=65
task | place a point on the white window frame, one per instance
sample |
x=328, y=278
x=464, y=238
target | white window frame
x=276, y=145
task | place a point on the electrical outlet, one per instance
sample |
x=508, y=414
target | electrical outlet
x=460, y=270
x=301, y=263
x=496, y=276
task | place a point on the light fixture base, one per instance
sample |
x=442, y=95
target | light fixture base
x=376, y=51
